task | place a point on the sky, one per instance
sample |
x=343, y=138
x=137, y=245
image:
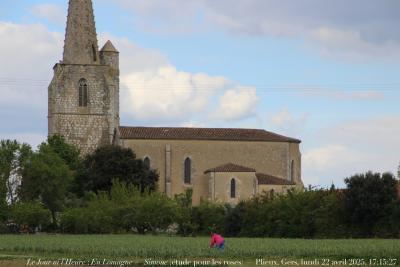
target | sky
x=326, y=72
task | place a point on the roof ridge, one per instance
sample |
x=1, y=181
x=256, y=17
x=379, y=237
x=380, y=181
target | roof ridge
x=202, y=133
x=230, y=167
x=180, y=127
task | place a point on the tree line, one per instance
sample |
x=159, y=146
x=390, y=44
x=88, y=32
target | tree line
x=54, y=189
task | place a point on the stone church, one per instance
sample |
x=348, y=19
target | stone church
x=219, y=164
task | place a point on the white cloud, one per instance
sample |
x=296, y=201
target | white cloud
x=169, y=94
x=353, y=147
x=50, y=12
x=28, y=53
x=285, y=118
x=133, y=57
x=331, y=163
x=329, y=157
x=288, y=123
x=153, y=90
x=237, y=103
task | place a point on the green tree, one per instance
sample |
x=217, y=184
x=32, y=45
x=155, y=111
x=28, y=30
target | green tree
x=151, y=212
x=46, y=178
x=69, y=153
x=32, y=214
x=186, y=226
x=12, y=156
x=209, y=216
x=368, y=199
x=114, y=162
x=234, y=219
x=330, y=215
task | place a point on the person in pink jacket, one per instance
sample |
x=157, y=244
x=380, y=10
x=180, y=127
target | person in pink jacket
x=217, y=241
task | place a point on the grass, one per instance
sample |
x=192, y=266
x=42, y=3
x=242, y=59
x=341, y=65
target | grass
x=139, y=248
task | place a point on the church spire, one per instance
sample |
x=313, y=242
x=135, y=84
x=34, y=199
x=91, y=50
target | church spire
x=81, y=39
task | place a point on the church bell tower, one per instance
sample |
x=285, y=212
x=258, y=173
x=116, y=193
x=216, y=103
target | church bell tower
x=84, y=93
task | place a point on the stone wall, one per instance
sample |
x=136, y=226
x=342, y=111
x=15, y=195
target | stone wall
x=266, y=157
x=91, y=126
x=220, y=186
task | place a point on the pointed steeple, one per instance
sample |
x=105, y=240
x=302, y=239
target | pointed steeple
x=81, y=45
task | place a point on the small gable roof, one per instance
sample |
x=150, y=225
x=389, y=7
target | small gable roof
x=230, y=167
x=266, y=179
x=182, y=133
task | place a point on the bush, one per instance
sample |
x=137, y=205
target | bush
x=150, y=213
x=98, y=217
x=368, y=200
x=209, y=216
x=31, y=214
x=186, y=226
x=3, y=228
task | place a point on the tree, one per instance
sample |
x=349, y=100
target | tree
x=46, y=178
x=69, y=153
x=12, y=156
x=398, y=172
x=368, y=199
x=114, y=162
x=151, y=212
x=184, y=219
x=32, y=214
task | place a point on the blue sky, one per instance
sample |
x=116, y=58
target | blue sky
x=325, y=73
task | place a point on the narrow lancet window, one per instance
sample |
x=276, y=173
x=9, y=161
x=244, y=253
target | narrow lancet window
x=83, y=93
x=94, y=53
x=233, y=188
x=146, y=162
x=292, y=171
x=187, y=178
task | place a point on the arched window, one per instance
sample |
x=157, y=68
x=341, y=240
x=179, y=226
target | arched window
x=292, y=171
x=146, y=162
x=83, y=93
x=188, y=171
x=233, y=188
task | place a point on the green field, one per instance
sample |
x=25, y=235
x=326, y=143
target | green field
x=245, y=250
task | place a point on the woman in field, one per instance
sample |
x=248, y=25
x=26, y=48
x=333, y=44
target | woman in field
x=217, y=241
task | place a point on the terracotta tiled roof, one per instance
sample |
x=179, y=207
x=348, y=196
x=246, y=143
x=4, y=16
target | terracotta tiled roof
x=202, y=134
x=272, y=180
x=230, y=167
